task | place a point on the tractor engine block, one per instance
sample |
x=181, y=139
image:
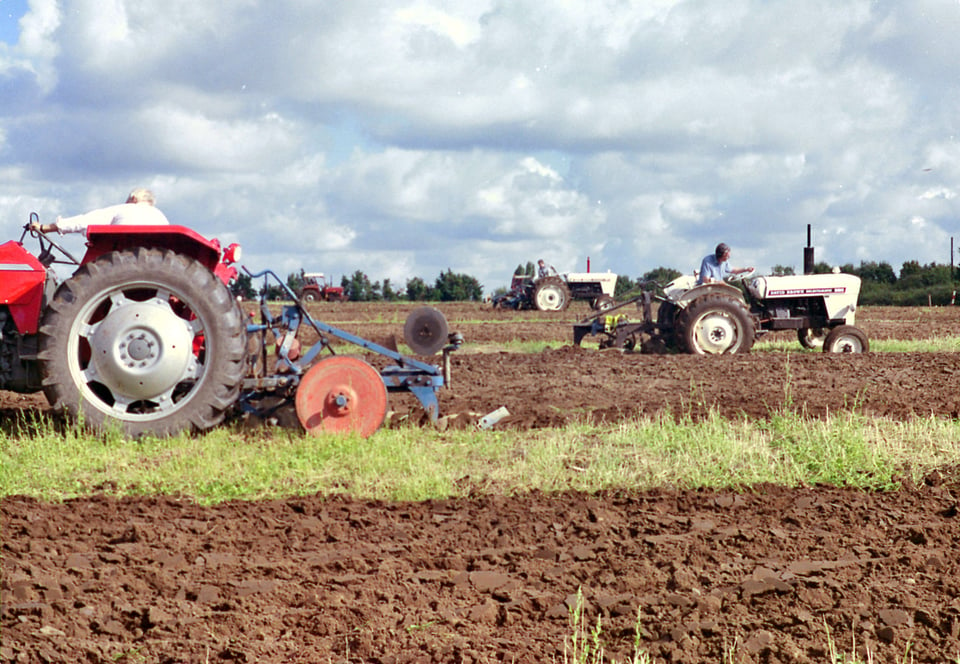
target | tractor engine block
x=19, y=371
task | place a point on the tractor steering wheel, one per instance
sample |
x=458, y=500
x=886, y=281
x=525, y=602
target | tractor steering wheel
x=743, y=276
x=47, y=244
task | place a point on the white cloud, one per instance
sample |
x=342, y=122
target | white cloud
x=406, y=137
x=461, y=32
x=196, y=141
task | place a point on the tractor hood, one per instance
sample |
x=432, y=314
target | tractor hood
x=607, y=281
x=839, y=291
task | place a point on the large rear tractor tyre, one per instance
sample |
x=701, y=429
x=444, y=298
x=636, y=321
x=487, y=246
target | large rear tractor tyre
x=716, y=324
x=846, y=339
x=146, y=340
x=811, y=338
x=551, y=294
x=310, y=296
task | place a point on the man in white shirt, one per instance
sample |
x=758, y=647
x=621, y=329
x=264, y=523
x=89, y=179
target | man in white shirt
x=139, y=210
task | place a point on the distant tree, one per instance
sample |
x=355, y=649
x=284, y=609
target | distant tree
x=914, y=275
x=273, y=292
x=910, y=268
x=242, y=286
x=452, y=287
x=418, y=290
x=295, y=281
x=624, y=285
x=881, y=273
x=358, y=287
x=389, y=294
x=529, y=270
x=781, y=271
x=661, y=275
x=823, y=268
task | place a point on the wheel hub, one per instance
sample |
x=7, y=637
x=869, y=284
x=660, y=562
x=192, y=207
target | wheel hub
x=340, y=400
x=141, y=349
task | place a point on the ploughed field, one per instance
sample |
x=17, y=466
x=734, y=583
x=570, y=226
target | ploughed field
x=763, y=574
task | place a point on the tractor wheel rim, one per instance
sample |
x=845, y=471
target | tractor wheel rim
x=548, y=298
x=140, y=351
x=716, y=333
x=848, y=344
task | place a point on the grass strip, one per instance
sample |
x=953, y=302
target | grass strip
x=418, y=464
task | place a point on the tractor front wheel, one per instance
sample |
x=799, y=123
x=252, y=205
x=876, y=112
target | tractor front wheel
x=603, y=303
x=148, y=340
x=716, y=324
x=811, y=337
x=846, y=339
x=551, y=294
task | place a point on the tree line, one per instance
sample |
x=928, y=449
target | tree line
x=449, y=286
x=915, y=285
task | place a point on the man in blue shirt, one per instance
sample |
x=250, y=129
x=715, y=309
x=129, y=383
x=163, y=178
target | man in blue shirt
x=544, y=270
x=716, y=268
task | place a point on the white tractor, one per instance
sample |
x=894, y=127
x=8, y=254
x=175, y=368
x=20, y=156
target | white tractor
x=727, y=317
x=555, y=292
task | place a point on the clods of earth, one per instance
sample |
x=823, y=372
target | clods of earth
x=758, y=574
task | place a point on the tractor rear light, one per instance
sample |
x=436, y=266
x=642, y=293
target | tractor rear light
x=232, y=254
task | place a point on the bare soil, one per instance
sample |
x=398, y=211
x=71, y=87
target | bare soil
x=760, y=574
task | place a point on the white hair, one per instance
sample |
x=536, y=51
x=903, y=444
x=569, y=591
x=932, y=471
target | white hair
x=141, y=195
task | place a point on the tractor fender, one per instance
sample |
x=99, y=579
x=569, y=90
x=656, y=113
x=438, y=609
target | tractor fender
x=102, y=239
x=717, y=288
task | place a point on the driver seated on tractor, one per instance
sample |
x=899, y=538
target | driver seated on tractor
x=544, y=270
x=140, y=210
x=715, y=266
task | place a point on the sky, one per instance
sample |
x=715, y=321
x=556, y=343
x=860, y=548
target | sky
x=404, y=138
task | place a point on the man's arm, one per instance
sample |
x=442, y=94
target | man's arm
x=79, y=223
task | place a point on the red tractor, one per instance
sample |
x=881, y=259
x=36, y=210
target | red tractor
x=144, y=331
x=145, y=335
x=318, y=288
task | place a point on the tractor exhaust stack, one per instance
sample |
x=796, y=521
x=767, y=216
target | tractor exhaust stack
x=808, y=259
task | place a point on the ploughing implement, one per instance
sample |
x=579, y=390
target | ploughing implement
x=340, y=392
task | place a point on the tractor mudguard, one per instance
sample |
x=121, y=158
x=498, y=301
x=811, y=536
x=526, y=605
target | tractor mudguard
x=102, y=239
x=719, y=288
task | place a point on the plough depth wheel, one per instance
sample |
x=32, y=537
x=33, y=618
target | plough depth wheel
x=341, y=394
x=425, y=331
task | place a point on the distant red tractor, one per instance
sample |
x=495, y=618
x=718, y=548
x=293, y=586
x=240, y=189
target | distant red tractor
x=318, y=288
